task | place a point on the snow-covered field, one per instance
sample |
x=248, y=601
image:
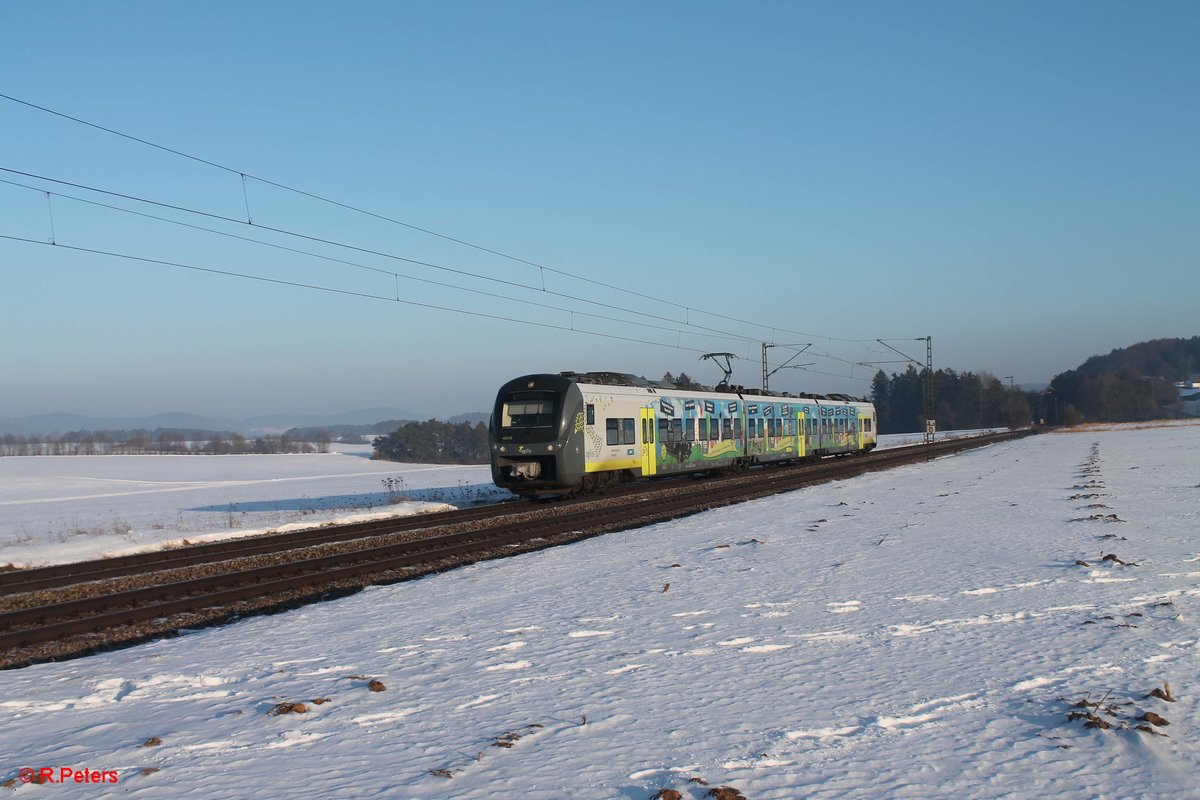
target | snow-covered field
x=920, y=633
x=58, y=509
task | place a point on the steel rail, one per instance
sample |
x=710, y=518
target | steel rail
x=36, y=578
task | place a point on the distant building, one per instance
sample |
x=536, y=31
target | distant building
x=1189, y=396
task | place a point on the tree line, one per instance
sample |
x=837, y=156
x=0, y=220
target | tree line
x=158, y=442
x=1131, y=384
x=962, y=401
x=435, y=442
x=1111, y=397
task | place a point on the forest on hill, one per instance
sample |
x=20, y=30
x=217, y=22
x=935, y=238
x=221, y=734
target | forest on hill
x=435, y=442
x=1131, y=384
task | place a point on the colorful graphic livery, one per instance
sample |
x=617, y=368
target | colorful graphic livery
x=573, y=433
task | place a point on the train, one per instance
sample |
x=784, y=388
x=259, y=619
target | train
x=580, y=433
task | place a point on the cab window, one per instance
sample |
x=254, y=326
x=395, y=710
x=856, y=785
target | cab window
x=528, y=414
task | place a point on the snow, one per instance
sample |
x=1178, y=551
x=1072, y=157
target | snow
x=918, y=633
x=58, y=509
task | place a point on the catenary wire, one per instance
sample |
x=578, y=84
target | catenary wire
x=716, y=333
x=367, y=267
x=244, y=175
x=347, y=292
x=368, y=251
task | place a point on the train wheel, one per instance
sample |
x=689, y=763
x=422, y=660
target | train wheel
x=596, y=482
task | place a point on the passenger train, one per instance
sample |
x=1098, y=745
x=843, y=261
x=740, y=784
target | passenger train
x=577, y=433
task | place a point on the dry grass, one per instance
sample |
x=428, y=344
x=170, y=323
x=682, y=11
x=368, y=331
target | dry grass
x=504, y=741
x=1103, y=715
x=725, y=793
x=1129, y=426
x=1163, y=693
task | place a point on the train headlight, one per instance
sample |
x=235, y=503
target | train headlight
x=549, y=448
x=502, y=450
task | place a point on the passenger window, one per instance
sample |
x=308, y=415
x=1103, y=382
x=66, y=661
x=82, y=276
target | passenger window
x=737, y=428
x=689, y=433
x=630, y=431
x=612, y=429
x=664, y=430
x=703, y=429
x=591, y=414
x=727, y=428
x=714, y=432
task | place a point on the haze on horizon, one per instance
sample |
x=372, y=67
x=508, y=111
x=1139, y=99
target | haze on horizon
x=1018, y=181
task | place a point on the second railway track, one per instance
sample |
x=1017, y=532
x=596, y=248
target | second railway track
x=57, y=612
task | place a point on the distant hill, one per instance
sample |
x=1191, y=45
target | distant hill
x=357, y=433
x=46, y=424
x=1170, y=359
x=474, y=419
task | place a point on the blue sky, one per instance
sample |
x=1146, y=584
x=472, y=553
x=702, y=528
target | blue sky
x=1017, y=180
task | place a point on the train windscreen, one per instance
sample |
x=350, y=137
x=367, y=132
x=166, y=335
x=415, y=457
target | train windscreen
x=528, y=414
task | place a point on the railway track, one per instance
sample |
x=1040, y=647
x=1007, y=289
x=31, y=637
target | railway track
x=56, y=612
x=28, y=580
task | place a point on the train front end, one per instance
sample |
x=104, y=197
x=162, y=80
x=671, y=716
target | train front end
x=536, y=436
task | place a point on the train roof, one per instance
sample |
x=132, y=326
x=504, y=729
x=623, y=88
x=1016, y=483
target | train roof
x=627, y=379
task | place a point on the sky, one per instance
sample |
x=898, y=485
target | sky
x=619, y=186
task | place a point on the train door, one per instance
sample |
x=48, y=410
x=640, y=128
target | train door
x=801, y=450
x=649, y=448
x=820, y=424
